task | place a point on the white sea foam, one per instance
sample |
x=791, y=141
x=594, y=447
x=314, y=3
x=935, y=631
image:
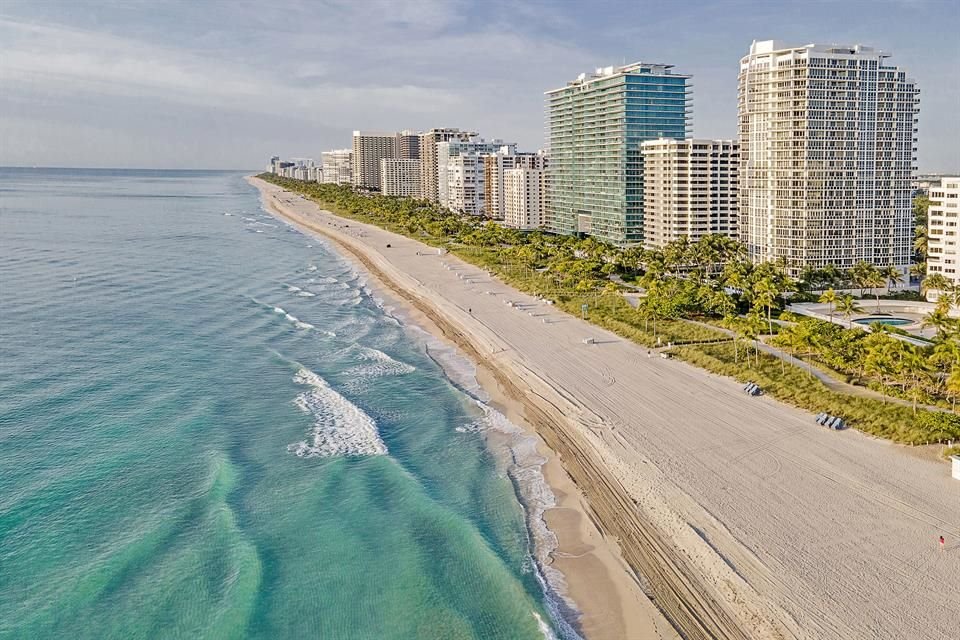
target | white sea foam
x=293, y=289
x=526, y=470
x=305, y=294
x=312, y=267
x=278, y=310
x=378, y=364
x=525, y=467
x=340, y=428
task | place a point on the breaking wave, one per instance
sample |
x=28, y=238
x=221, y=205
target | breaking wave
x=340, y=428
x=378, y=364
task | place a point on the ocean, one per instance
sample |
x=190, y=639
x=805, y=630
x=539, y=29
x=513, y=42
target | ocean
x=211, y=427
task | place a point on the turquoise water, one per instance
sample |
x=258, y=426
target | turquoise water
x=209, y=428
x=896, y=322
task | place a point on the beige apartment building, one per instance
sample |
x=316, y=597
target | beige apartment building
x=524, y=193
x=827, y=147
x=494, y=167
x=429, y=170
x=369, y=148
x=689, y=189
x=400, y=177
x=943, y=249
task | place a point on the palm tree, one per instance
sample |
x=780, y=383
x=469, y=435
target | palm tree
x=940, y=320
x=847, y=306
x=803, y=339
x=952, y=386
x=860, y=275
x=934, y=282
x=751, y=327
x=917, y=367
x=892, y=275
x=765, y=293
x=918, y=270
x=876, y=279
x=829, y=297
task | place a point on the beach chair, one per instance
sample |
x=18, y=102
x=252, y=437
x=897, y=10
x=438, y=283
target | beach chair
x=822, y=418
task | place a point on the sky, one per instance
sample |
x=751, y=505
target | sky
x=227, y=84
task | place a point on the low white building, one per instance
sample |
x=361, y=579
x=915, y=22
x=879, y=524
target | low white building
x=523, y=198
x=400, y=177
x=943, y=248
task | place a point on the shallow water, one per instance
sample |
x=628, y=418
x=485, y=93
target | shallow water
x=210, y=429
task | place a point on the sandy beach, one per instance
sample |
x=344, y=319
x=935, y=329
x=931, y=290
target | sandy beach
x=732, y=516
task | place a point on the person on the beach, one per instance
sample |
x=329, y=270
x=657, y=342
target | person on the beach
x=470, y=310
x=942, y=542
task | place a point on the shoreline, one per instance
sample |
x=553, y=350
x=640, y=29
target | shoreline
x=609, y=601
x=681, y=602
x=738, y=518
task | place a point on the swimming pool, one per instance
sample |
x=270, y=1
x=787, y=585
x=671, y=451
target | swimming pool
x=894, y=322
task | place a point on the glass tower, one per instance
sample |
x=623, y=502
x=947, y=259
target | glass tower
x=595, y=126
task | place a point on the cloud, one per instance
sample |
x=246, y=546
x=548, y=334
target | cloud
x=311, y=71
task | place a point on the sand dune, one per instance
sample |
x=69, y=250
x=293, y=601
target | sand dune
x=744, y=519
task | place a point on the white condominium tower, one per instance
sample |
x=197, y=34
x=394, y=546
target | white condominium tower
x=524, y=195
x=460, y=183
x=494, y=167
x=689, y=189
x=943, y=251
x=827, y=147
x=337, y=166
x=400, y=177
x=429, y=189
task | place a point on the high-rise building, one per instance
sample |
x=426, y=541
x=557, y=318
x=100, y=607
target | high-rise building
x=465, y=184
x=595, y=126
x=429, y=169
x=447, y=151
x=338, y=166
x=689, y=189
x=523, y=198
x=408, y=145
x=494, y=166
x=943, y=232
x=400, y=177
x=369, y=148
x=827, y=148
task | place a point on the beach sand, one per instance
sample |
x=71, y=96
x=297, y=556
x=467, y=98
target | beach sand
x=739, y=517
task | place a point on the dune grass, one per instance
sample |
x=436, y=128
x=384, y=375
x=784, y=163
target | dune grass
x=796, y=387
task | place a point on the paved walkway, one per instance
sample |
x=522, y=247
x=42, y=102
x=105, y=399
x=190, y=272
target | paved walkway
x=829, y=381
